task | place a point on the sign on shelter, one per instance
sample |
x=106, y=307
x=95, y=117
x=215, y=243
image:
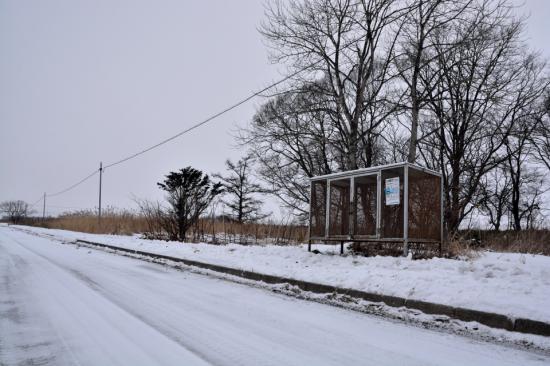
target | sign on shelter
x=392, y=191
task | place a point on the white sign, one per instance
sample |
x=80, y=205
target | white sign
x=392, y=191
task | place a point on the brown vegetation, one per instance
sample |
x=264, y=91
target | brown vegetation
x=219, y=230
x=112, y=222
x=533, y=241
x=223, y=230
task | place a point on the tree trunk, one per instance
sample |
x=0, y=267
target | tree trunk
x=515, y=208
x=414, y=129
x=454, y=206
x=181, y=230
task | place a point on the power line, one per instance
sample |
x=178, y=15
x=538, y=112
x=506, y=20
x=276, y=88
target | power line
x=195, y=126
x=239, y=103
x=74, y=185
x=38, y=200
x=72, y=207
x=214, y=116
x=203, y=122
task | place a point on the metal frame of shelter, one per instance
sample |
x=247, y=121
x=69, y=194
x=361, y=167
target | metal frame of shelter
x=392, y=203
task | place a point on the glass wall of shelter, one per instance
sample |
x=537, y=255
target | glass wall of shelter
x=390, y=202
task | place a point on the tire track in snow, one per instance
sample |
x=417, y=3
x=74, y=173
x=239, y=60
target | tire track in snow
x=170, y=332
x=54, y=269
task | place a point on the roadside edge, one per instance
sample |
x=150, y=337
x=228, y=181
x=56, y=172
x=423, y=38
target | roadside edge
x=493, y=320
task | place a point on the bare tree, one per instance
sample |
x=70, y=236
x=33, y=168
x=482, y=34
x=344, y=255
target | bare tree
x=416, y=50
x=525, y=181
x=532, y=205
x=459, y=67
x=495, y=192
x=158, y=220
x=241, y=191
x=15, y=211
x=292, y=139
x=332, y=117
x=516, y=185
x=350, y=42
x=542, y=134
x=482, y=88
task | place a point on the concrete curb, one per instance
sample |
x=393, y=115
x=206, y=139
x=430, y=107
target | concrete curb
x=493, y=320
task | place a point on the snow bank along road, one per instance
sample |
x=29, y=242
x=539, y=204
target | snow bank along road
x=64, y=305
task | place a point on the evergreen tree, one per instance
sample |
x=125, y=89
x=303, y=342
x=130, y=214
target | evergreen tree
x=189, y=192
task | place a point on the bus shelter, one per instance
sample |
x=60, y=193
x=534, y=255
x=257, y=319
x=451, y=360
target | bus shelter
x=398, y=203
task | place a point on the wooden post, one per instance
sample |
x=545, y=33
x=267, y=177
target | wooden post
x=100, y=178
x=44, y=208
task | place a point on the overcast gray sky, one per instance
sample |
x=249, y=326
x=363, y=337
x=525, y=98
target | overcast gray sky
x=89, y=81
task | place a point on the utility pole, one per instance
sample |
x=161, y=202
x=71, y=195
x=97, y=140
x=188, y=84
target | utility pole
x=44, y=208
x=100, y=177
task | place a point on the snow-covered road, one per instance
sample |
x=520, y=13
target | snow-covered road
x=512, y=284
x=63, y=305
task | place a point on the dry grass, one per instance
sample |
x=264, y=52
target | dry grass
x=525, y=241
x=465, y=244
x=460, y=248
x=112, y=222
x=207, y=230
x=223, y=231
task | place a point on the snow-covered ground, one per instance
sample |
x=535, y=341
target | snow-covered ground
x=64, y=305
x=516, y=285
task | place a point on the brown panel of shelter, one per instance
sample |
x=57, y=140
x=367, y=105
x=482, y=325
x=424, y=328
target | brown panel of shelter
x=318, y=208
x=365, y=206
x=339, y=207
x=424, y=205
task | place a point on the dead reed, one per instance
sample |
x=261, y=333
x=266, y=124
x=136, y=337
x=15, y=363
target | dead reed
x=218, y=230
x=223, y=230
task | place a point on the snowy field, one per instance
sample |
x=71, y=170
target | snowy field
x=516, y=285
x=64, y=305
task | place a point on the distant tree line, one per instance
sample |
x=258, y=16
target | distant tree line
x=15, y=211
